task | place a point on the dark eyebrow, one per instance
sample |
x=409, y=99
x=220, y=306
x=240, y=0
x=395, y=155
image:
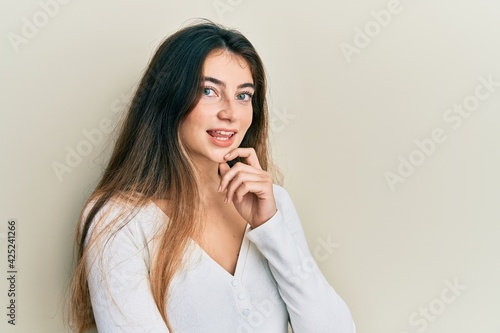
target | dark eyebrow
x=214, y=80
x=223, y=84
x=247, y=85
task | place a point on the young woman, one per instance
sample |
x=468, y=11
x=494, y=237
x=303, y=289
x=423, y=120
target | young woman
x=186, y=231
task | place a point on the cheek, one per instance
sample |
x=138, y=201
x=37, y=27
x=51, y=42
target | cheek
x=182, y=133
x=192, y=121
x=247, y=119
x=201, y=115
x=187, y=126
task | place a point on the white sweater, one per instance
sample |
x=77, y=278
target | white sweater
x=276, y=281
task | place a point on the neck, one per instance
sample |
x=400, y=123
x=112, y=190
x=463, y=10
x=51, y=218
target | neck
x=209, y=180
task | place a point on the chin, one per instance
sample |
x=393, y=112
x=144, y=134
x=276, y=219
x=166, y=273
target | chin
x=219, y=156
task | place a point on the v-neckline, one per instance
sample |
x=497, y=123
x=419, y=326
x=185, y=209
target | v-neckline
x=240, y=262
x=243, y=251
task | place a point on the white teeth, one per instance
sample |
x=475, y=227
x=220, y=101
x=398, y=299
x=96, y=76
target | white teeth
x=224, y=132
x=221, y=139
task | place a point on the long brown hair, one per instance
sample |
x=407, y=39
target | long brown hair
x=149, y=162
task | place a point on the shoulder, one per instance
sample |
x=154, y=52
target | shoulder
x=118, y=216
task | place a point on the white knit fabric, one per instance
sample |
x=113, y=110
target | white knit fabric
x=276, y=281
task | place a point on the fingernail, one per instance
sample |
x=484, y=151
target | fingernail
x=227, y=155
x=220, y=188
x=225, y=200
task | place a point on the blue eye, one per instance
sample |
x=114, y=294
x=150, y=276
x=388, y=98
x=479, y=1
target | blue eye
x=245, y=96
x=207, y=91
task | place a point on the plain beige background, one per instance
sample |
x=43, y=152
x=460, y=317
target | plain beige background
x=360, y=92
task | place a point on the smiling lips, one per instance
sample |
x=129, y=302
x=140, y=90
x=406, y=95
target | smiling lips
x=222, y=138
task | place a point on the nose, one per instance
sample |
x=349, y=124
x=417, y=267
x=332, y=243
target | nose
x=227, y=110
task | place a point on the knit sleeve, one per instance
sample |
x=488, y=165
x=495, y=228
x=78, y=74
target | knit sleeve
x=118, y=277
x=312, y=303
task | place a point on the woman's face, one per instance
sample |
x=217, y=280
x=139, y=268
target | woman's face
x=221, y=118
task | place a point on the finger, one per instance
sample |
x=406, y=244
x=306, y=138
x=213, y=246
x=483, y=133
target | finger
x=241, y=180
x=248, y=154
x=244, y=177
x=223, y=170
x=239, y=167
x=258, y=188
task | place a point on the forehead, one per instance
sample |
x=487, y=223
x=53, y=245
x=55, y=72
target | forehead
x=227, y=66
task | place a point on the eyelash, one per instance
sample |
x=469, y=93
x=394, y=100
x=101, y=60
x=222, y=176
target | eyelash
x=208, y=87
x=250, y=94
x=246, y=93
